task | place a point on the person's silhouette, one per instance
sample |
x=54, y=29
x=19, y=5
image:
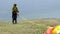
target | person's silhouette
x=14, y=14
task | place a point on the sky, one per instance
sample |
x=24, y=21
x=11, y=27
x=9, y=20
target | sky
x=30, y=9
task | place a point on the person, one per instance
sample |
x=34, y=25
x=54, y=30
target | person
x=14, y=14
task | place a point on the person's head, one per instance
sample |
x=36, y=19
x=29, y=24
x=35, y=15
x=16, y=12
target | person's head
x=15, y=4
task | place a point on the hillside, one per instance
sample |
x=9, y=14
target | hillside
x=36, y=26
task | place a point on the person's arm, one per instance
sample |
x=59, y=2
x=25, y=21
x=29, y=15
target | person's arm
x=17, y=10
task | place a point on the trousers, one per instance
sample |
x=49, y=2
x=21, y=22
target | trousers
x=14, y=17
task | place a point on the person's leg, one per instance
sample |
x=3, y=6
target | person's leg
x=16, y=18
x=13, y=21
x=13, y=17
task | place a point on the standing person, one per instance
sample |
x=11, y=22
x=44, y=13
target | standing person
x=14, y=14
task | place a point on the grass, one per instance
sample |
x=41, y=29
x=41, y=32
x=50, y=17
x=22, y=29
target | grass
x=25, y=27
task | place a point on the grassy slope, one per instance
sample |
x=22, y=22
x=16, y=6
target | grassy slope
x=26, y=27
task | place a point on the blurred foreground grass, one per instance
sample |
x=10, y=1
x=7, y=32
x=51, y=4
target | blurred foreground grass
x=26, y=27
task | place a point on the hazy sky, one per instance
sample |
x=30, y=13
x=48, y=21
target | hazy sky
x=31, y=9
